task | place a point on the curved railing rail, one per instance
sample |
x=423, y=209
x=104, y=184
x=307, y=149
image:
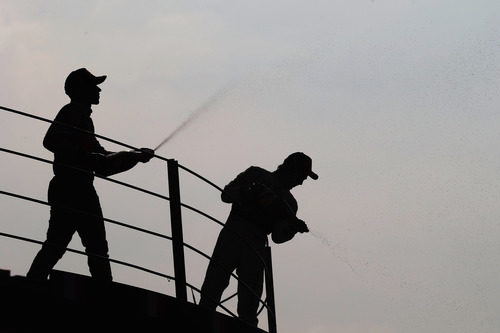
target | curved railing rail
x=120, y=143
x=176, y=220
x=119, y=262
x=213, y=219
x=115, y=222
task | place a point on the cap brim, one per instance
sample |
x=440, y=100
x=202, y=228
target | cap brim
x=313, y=175
x=100, y=79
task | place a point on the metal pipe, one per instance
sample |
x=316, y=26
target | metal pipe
x=271, y=310
x=176, y=223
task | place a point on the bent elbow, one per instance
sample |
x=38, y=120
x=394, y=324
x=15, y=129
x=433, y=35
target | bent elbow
x=226, y=197
x=47, y=144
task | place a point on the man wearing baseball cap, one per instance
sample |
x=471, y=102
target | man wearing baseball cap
x=261, y=205
x=78, y=156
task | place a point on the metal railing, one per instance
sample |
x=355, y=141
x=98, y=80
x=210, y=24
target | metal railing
x=176, y=206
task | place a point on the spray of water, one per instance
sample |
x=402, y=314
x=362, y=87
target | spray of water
x=206, y=106
x=379, y=270
x=319, y=236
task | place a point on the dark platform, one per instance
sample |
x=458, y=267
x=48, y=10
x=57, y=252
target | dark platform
x=75, y=303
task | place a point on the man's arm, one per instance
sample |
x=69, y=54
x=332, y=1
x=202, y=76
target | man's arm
x=285, y=229
x=64, y=138
x=286, y=223
x=113, y=163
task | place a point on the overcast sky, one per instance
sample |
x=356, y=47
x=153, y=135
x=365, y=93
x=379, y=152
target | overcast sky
x=395, y=101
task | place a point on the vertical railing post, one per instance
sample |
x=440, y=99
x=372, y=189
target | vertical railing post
x=271, y=311
x=176, y=223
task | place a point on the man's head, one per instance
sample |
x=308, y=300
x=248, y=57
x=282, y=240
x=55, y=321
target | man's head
x=81, y=85
x=296, y=168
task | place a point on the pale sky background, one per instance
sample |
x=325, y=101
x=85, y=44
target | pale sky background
x=395, y=101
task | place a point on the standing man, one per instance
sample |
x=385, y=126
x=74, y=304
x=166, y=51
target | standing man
x=261, y=204
x=73, y=200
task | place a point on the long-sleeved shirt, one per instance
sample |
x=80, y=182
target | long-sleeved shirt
x=72, y=147
x=247, y=193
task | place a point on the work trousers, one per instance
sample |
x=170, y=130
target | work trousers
x=237, y=247
x=74, y=208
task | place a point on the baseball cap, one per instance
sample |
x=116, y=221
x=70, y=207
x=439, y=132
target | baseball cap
x=301, y=162
x=80, y=79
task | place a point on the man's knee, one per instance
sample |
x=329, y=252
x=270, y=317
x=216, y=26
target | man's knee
x=53, y=250
x=96, y=246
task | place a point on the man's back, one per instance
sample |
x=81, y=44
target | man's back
x=71, y=139
x=258, y=199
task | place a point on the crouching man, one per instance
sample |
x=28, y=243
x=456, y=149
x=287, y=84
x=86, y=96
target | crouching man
x=261, y=205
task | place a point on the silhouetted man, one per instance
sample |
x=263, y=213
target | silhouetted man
x=73, y=200
x=261, y=204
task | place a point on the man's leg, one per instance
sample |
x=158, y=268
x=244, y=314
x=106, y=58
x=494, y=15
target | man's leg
x=59, y=235
x=223, y=262
x=91, y=229
x=251, y=275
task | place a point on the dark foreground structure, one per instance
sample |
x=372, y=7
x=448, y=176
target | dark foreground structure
x=70, y=302
x=75, y=303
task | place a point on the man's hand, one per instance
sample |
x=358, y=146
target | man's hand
x=301, y=226
x=144, y=154
x=284, y=230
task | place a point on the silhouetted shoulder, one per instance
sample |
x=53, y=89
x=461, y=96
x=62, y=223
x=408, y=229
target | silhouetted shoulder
x=255, y=170
x=235, y=190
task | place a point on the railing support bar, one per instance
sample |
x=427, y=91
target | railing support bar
x=176, y=224
x=271, y=308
